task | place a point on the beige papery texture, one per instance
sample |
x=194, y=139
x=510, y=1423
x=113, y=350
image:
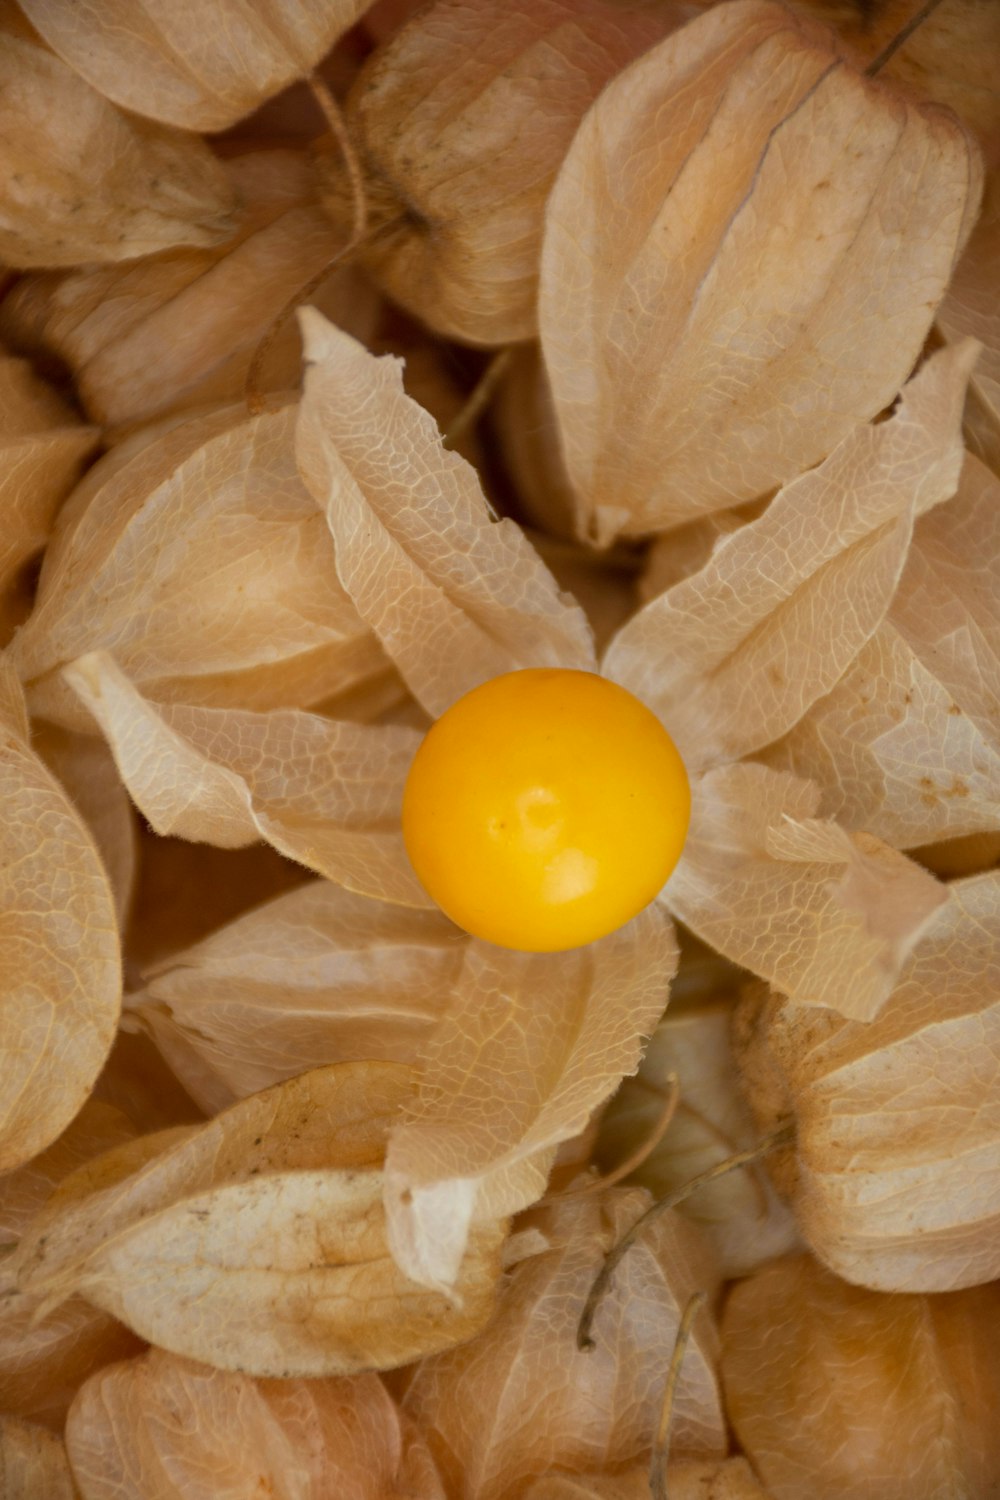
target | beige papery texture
x=257, y=1241
x=462, y=119
x=42, y=449
x=837, y=1393
x=733, y=656
x=907, y=745
x=84, y=182
x=318, y=976
x=170, y=1428
x=60, y=971
x=743, y=251
x=33, y=1463
x=521, y=1400
x=201, y=562
x=43, y=1359
x=200, y=64
x=688, y=1479
x=174, y=330
x=453, y=596
x=895, y=1174
x=740, y=1215
x=972, y=306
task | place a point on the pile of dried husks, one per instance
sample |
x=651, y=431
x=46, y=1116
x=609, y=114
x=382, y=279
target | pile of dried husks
x=653, y=338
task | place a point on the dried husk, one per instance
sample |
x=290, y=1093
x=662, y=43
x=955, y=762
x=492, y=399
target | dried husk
x=202, y=562
x=211, y=1434
x=524, y=421
x=688, y=1479
x=201, y=64
x=522, y=1400
x=907, y=745
x=256, y=1242
x=42, y=449
x=461, y=120
x=176, y=330
x=82, y=181
x=317, y=976
x=786, y=227
x=837, y=1393
x=740, y=1215
x=33, y=1463
x=972, y=307
x=895, y=1175
x=136, y=1081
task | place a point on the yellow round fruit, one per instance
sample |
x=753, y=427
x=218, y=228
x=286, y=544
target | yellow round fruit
x=545, y=809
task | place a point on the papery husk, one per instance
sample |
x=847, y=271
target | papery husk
x=177, y=330
x=256, y=1242
x=674, y=556
x=895, y=1175
x=33, y=1463
x=740, y=1215
x=43, y=447
x=201, y=560
x=219, y=1435
x=82, y=181
x=137, y=1081
x=689, y=1479
x=972, y=307
x=907, y=745
x=461, y=120
x=201, y=65
x=786, y=228
x=454, y=597
x=828, y=917
x=837, y=1393
x=530, y=1045
x=522, y=1400
x=734, y=655
x=524, y=421
x=317, y=976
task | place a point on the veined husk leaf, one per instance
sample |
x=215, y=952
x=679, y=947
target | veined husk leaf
x=740, y=1215
x=462, y=119
x=524, y=420
x=43, y=1360
x=201, y=561
x=60, y=975
x=673, y=556
x=895, y=1175
x=454, y=597
x=907, y=745
x=201, y=65
x=33, y=1463
x=687, y=1479
x=531, y=1044
x=786, y=228
x=82, y=181
x=42, y=449
x=734, y=655
x=208, y=1434
x=838, y=1393
x=117, y=327
x=827, y=916
x=972, y=307
x=256, y=1241
x=318, y=976
x=521, y=1400
x=326, y=793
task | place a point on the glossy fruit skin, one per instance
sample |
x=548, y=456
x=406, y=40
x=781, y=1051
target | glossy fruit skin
x=545, y=809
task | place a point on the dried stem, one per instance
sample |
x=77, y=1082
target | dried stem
x=479, y=399
x=661, y=1448
x=901, y=38
x=779, y=1137
x=632, y=1163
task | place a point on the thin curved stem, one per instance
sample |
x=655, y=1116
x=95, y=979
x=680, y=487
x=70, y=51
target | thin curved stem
x=901, y=38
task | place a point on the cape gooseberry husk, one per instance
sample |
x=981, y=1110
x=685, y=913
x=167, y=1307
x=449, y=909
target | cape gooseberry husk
x=545, y=809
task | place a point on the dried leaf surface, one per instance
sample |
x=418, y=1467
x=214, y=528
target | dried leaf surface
x=257, y=1241
x=318, y=976
x=896, y=1177
x=530, y=1046
x=453, y=597
x=741, y=216
x=838, y=1393
x=326, y=793
x=198, y=1433
x=972, y=307
x=33, y=1463
x=827, y=917
x=689, y=1479
x=202, y=562
x=83, y=182
x=733, y=656
x=521, y=1399
x=200, y=65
